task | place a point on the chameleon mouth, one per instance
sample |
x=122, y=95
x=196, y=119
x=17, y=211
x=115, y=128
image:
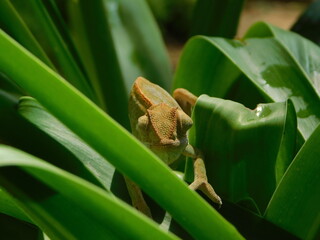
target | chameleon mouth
x=167, y=153
x=168, y=143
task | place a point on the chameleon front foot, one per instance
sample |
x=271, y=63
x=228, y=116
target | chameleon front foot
x=201, y=181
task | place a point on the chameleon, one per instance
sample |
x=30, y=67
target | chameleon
x=161, y=123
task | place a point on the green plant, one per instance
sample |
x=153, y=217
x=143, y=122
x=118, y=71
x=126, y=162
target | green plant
x=69, y=140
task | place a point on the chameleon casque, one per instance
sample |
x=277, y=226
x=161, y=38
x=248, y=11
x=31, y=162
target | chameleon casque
x=161, y=124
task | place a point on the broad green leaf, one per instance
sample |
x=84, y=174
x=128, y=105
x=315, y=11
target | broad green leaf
x=35, y=14
x=13, y=24
x=114, y=143
x=295, y=204
x=216, y=17
x=97, y=51
x=138, y=43
x=67, y=207
x=241, y=147
x=91, y=160
x=275, y=70
x=304, y=53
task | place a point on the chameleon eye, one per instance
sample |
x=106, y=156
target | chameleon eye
x=143, y=122
x=184, y=122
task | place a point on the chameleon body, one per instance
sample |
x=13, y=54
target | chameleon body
x=158, y=121
x=161, y=124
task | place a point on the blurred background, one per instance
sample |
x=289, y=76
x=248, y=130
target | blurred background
x=173, y=20
x=280, y=13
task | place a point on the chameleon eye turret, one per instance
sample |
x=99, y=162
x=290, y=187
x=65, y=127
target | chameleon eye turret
x=184, y=123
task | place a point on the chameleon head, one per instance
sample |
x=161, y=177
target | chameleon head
x=163, y=129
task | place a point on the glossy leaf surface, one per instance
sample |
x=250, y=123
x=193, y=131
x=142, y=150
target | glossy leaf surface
x=241, y=147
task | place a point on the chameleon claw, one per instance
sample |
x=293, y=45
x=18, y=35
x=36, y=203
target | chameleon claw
x=207, y=189
x=201, y=182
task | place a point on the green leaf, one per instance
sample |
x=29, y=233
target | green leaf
x=241, y=147
x=131, y=46
x=295, y=204
x=276, y=71
x=35, y=14
x=20, y=133
x=216, y=17
x=14, y=222
x=56, y=15
x=302, y=51
x=44, y=191
x=138, y=43
x=97, y=51
x=13, y=24
x=9, y=207
x=86, y=156
x=109, y=139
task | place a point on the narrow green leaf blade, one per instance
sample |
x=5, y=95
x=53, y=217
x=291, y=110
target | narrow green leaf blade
x=20, y=133
x=9, y=207
x=96, y=48
x=94, y=163
x=44, y=29
x=138, y=43
x=13, y=24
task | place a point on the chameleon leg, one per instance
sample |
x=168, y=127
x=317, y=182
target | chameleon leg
x=185, y=99
x=137, y=198
x=201, y=181
x=200, y=176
